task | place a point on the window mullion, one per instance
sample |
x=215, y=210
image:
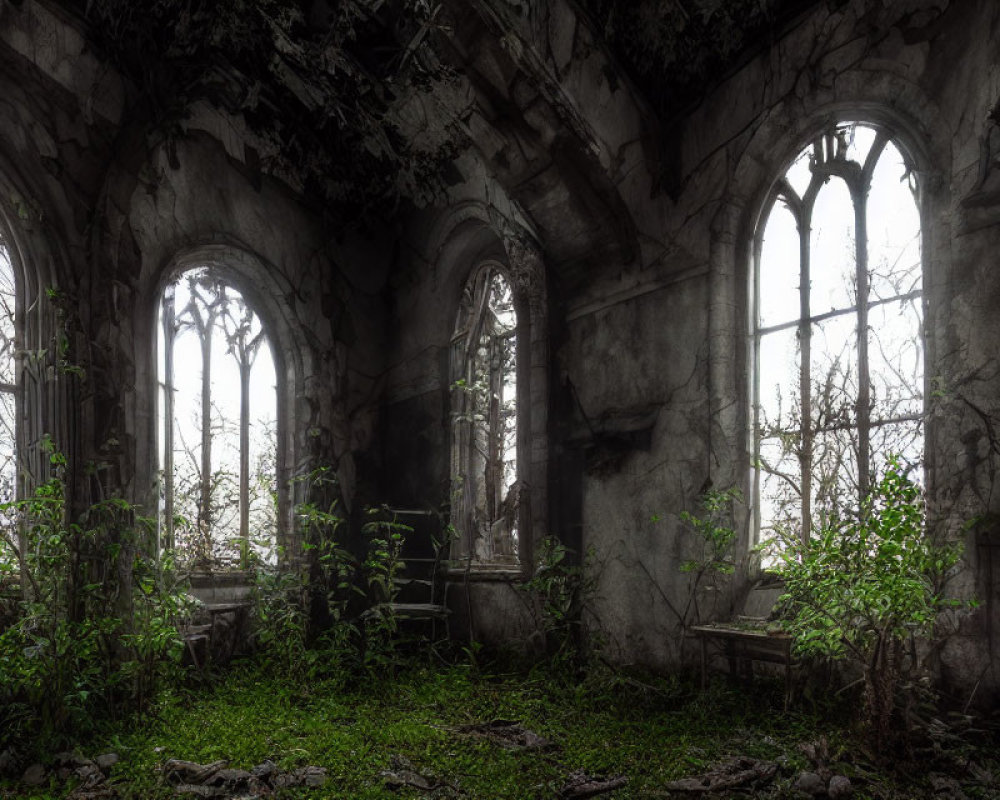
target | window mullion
x=859, y=194
x=805, y=363
x=755, y=382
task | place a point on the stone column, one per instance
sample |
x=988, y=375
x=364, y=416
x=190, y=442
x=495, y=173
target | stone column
x=527, y=271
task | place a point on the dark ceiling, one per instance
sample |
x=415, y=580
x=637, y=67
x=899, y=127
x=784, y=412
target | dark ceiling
x=675, y=51
x=317, y=79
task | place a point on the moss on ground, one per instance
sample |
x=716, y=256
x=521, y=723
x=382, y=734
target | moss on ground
x=650, y=730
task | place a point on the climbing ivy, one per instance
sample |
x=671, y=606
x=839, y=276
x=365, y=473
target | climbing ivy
x=319, y=88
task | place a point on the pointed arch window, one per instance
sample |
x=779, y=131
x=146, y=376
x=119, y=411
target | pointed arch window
x=8, y=378
x=484, y=462
x=837, y=328
x=217, y=425
x=8, y=411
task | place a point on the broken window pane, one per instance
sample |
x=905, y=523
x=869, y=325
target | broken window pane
x=484, y=426
x=799, y=176
x=779, y=275
x=893, y=229
x=834, y=371
x=860, y=139
x=896, y=354
x=831, y=249
x=778, y=397
x=835, y=483
x=780, y=490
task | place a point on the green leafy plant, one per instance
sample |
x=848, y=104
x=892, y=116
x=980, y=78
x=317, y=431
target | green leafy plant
x=561, y=591
x=864, y=587
x=93, y=631
x=335, y=615
x=714, y=537
x=301, y=619
x=382, y=565
x=280, y=621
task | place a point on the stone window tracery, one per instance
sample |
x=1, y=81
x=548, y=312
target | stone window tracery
x=837, y=316
x=8, y=379
x=484, y=355
x=217, y=425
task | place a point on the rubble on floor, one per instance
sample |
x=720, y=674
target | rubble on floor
x=740, y=772
x=507, y=734
x=218, y=780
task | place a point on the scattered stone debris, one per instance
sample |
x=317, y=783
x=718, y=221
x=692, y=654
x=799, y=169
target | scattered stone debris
x=580, y=784
x=310, y=777
x=8, y=761
x=106, y=761
x=91, y=775
x=946, y=787
x=739, y=772
x=508, y=734
x=821, y=781
x=403, y=775
x=839, y=788
x=811, y=784
x=35, y=775
x=823, y=784
x=187, y=777
x=218, y=780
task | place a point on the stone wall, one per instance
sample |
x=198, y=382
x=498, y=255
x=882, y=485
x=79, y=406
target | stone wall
x=630, y=238
x=101, y=210
x=648, y=356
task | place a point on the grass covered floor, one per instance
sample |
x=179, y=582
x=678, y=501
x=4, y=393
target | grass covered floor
x=650, y=731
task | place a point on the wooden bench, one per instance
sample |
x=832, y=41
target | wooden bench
x=201, y=637
x=748, y=638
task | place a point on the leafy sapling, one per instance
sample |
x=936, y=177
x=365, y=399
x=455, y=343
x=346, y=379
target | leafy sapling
x=864, y=586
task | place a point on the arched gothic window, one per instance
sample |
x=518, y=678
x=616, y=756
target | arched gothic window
x=8, y=379
x=838, y=354
x=217, y=425
x=484, y=460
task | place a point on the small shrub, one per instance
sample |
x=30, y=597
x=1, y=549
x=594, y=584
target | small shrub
x=863, y=587
x=382, y=565
x=560, y=591
x=93, y=632
x=715, y=537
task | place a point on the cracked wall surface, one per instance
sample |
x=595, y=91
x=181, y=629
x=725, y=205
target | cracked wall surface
x=649, y=350
x=638, y=227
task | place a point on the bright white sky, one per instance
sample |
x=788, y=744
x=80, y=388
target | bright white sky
x=225, y=395
x=895, y=342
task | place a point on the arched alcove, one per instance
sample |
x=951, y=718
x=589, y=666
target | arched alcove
x=480, y=255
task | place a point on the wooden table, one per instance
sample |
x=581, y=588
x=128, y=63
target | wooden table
x=744, y=645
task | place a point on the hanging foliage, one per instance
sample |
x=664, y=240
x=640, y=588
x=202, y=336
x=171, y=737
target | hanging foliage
x=318, y=87
x=675, y=49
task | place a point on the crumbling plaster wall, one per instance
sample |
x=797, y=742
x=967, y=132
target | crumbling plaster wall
x=649, y=354
x=53, y=146
x=191, y=203
x=105, y=209
x=927, y=71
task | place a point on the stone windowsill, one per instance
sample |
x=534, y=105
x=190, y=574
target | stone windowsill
x=228, y=577
x=484, y=573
